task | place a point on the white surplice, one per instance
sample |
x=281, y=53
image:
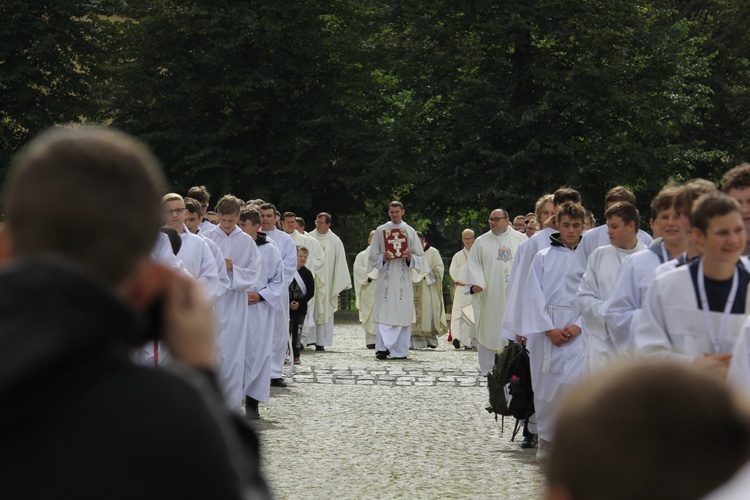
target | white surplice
x=592, y=239
x=287, y=250
x=673, y=326
x=232, y=311
x=624, y=306
x=262, y=337
x=546, y=306
x=596, y=288
x=512, y=321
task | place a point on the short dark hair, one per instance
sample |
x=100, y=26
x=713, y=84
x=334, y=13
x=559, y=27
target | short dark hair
x=736, y=178
x=664, y=200
x=648, y=430
x=566, y=195
x=286, y=215
x=710, y=205
x=268, y=206
x=619, y=193
x=300, y=221
x=396, y=203
x=325, y=215
x=250, y=214
x=193, y=206
x=199, y=193
x=572, y=210
x=92, y=171
x=626, y=211
x=689, y=192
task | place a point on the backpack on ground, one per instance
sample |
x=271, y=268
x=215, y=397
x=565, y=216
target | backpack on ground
x=509, y=385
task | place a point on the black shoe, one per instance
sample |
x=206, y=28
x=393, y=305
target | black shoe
x=529, y=441
x=457, y=343
x=320, y=348
x=432, y=346
x=278, y=382
x=381, y=355
x=251, y=408
x=371, y=346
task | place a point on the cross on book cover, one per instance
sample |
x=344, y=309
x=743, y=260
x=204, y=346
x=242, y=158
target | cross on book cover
x=396, y=241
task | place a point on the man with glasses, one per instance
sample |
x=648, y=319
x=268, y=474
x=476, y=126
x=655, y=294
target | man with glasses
x=486, y=278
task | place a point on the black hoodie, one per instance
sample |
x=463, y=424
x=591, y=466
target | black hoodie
x=79, y=420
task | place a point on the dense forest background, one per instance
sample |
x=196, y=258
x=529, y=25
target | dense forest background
x=342, y=105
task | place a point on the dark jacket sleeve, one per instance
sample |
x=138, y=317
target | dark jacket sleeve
x=307, y=277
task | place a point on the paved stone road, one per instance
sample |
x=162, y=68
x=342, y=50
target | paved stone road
x=350, y=426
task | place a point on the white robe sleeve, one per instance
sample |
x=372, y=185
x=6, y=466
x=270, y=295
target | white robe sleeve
x=534, y=304
x=739, y=368
x=622, y=311
x=245, y=272
x=652, y=334
x=588, y=300
x=273, y=291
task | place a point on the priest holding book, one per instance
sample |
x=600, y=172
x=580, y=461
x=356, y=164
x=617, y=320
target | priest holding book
x=395, y=250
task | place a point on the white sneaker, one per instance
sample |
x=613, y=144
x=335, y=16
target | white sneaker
x=542, y=452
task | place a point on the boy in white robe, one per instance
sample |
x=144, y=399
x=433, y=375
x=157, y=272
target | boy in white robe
x=694, y=313
x=551, y=325
x=598, y=237
x=599, y=281
x=194, y=253
x=546, y=207
x=263, y=299
x=243, y=264
x=638, y=271
x=394, y=295
x=364, y=293
x=288, y=251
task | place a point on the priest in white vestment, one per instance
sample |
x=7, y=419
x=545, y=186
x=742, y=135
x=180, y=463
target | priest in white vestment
x=462, y=328
x=395, y=251
x=598, y=283
x=243, y=263
x=487, y=279
x=337, y=280
x=429, y=307
x=364, y=293
x=551, y=325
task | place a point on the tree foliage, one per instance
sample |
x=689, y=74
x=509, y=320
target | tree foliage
x=343, y=105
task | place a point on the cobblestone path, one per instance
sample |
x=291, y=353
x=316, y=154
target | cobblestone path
x=350, y=426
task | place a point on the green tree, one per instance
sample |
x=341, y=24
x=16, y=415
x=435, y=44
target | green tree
x=49, y=55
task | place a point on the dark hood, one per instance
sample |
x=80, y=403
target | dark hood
x=58, y=325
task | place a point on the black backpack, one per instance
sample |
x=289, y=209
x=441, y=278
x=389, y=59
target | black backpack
x=498, y=379
x=509, y=385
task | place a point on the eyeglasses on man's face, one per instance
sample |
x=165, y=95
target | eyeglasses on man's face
x=497, y=219
x=175, y=211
